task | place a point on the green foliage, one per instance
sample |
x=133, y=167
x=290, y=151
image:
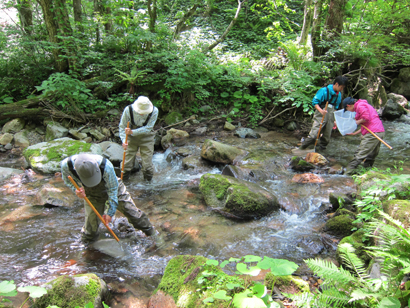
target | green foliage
x=69, y=93
x=370, y=202
x=133, y=78
x=251, y=295
x=8, y=288
x=351, y=284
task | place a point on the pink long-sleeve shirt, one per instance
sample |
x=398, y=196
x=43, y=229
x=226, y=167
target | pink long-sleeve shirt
x=365, y=111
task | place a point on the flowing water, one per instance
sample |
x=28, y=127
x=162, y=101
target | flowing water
x=44, y=243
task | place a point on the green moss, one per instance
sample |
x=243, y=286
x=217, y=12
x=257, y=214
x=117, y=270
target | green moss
x=215, y=184
x=340, y=225
x=244, y=199
x=172, y=118
x=286, y=281
x=356, y=240
x=65, y=294
x=189, y=293
x=57, y=150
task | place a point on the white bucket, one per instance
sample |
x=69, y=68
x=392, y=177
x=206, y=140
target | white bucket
x=345, y=121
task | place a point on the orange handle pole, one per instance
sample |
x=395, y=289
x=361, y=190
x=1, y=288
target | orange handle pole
x=320, y=127
x=95, y=211
x=380, y=139
x=123, y=156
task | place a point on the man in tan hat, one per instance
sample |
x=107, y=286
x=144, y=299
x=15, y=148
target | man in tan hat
x=98, y=182
x=142, y=116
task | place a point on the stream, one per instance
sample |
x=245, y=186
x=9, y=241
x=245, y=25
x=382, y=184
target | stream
x=45, y=242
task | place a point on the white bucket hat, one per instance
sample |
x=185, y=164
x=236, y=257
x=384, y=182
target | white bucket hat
x=88, y=170
x=142, y=105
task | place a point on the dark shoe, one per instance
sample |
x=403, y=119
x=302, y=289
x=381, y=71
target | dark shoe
x=306, y=143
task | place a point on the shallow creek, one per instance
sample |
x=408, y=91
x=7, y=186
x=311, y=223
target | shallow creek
x=46, y=242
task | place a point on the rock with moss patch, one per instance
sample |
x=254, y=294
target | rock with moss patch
x=172, y=118
x=189, y=280
x=71, y=291
x=286, y=284
x=399, y=210
x=384, y=184
x=299, y=164
x=341, y=224
x=341, y=200
x=45, y=157
x=356, y=240
x=237, y=198
x=221, y=153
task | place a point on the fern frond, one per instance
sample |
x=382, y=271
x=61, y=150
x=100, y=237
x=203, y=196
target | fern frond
x=332, y=297
x=330, y=272
x=302, y=299
x=352, y=261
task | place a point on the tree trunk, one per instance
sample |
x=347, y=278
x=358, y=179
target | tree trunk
x=334, y=21
x=316, y=29
x=34, y=109
x=25, y=15
x=181, y=23
x=108, y=22
x=307, y=22
x=78, y=18
x=152, y=12
x=97, y=14
x=223, y=36
x=51, y=20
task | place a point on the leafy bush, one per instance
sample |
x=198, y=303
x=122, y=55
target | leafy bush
x=351, y=284
x=69, y=94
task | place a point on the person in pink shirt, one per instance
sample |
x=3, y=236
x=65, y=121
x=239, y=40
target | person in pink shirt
x=369, y=147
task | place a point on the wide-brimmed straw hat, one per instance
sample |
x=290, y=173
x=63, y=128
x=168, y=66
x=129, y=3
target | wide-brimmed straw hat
x=142, y=105
x=88, y=169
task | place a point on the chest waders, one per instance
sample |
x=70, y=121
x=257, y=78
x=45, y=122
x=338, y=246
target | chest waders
x=142, y=142
x=98, y=196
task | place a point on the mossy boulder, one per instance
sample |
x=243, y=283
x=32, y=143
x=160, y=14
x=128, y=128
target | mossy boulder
x=299, y=164
x=356, y=240
x=286, y=284
x=221, y=153
x=341, y=200
x=341, y=224
x=385, y=184
x=241, y=199
x=172, y=118
x=189, y=280
x=71, y=291
x=399, y=210
x=45, y=157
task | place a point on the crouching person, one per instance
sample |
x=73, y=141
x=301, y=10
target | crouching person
x=98, y=182
x=370, y=145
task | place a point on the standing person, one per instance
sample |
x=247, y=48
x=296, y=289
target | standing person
x=369, y=146
x=333, y=95
x=98, y=182
x=142, y=116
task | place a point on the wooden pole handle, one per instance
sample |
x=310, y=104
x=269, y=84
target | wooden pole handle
x=320, y=127
x=380, y=139
x=95, y=211
x=123, y=156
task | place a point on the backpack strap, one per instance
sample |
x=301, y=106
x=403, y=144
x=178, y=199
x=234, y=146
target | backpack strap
x=71, y=167
x=131, y=114
x=72, y=170
x=331, y=101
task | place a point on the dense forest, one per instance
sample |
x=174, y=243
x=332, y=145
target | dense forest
x=76, y=59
